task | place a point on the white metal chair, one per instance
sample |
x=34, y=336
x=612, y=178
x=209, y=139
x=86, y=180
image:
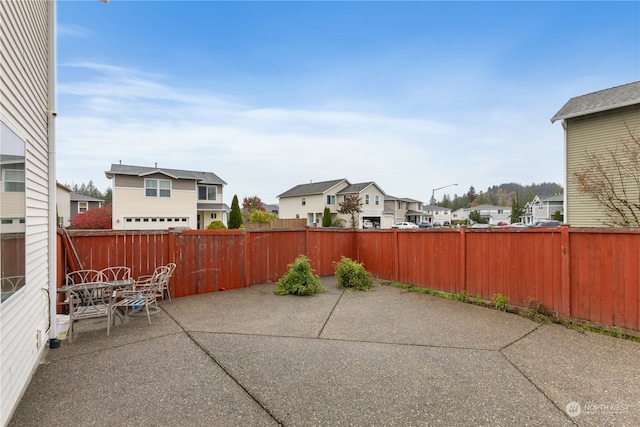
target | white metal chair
x=87, y=300
x=116, y=274
x=141, y=295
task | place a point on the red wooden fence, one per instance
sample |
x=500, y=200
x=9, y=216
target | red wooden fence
x=589, y=274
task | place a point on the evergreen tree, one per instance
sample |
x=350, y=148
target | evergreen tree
x=326, y=218
x=517, y=209
x=235, y=217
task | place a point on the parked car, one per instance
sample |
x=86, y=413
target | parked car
x=446, y=224
x=425, y=224
x=519, y=225
x=404, y=225
x=367, y=223
x=477, y=225
x=548, y=224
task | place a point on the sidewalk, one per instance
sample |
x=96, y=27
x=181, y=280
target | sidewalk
x=386, y=357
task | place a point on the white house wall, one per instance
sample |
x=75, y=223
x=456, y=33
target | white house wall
x=132, y=203
x=24, y=99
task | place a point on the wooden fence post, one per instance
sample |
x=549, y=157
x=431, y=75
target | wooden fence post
x=463, y=259
x=247, y=258
x=396, y=260
x=565, y=290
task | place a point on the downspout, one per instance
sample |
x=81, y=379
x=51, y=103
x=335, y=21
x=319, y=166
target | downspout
x=51, y=136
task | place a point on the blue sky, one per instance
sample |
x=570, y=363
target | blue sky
x=268, y=95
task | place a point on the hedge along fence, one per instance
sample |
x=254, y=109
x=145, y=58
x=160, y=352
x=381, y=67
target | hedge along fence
x=589, y=274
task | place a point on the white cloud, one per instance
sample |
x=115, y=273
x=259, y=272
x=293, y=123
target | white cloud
x=115, y=113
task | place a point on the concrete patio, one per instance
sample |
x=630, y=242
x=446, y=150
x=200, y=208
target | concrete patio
x=385, y=357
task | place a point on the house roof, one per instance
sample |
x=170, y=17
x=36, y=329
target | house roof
x=359, y=187
x=488, y=208
x=201, y=177
x=214, y=207
x=271, y=207
x=556, y=198
x=603, y=100
x=435, y=208
x=402, y=199
x=312, y=188
x=75, y=197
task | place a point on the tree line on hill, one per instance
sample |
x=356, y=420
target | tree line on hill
x=91, y=190
x=501, y=195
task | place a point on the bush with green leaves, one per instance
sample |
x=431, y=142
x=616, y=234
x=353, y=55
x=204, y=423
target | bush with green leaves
x=351, y=274
x=216, y=225
x=300, y=279
x=326, y=217
x=262, y=217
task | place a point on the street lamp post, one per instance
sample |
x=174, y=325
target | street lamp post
x=433, y=192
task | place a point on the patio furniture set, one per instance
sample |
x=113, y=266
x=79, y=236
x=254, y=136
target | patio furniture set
x=112, y=292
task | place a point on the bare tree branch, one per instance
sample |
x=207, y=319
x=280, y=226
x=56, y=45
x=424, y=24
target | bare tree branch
x=612, y=179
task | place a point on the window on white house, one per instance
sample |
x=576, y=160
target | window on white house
x=157, y=188
x=304, y=201
x=377, y=200
x=331, y=199
x=207, y=192
x=214, y=216
x=83, y=207
x=13, y=180
x=500, y=211
x=366, y=199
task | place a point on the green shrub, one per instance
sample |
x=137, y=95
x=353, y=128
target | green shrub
x=216, y=225
x=501, y=302
x=338, y=222
x=299, y=280
x=351, y=274
x=326, y=218
x=262, y=217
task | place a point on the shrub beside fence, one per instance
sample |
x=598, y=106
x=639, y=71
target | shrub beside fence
x=589, y=274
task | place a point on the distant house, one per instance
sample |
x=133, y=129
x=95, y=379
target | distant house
x=595, y=123
x=493, y=214
x=404, y=209
x=437, y=215
x=146, y=198
x=63, y=205
x=308, y=201
x=79, y=203
x=271, y=208
x=27, y=231
x=543, y=208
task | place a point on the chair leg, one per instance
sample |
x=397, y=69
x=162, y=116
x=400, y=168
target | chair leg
x=146, y=306
x=168, y=293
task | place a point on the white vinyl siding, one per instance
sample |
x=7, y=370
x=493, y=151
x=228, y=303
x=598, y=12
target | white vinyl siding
x=596, y=133
x=131, y=203
x=24, y=77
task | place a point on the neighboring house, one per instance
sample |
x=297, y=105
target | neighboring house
x=543, y=208
x=152, y=198
x=437, y=214
x=79, y=203
x=63, y=205
x=27, y=253
x=271, y=208
x=404, y=209
x=309, y=200
x=493, y=214
x=595, y=123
